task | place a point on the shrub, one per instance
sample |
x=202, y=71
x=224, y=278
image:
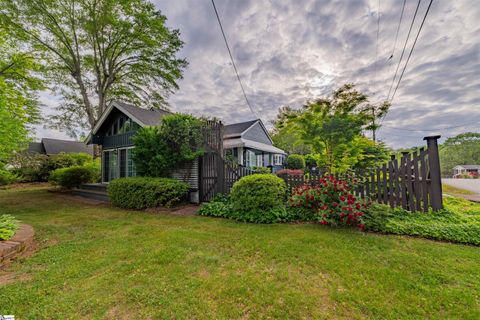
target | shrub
x=332, y=202
x=176, y=141
x=262, y=170
x=259, y=198
x=290, y=172
x=7, y=177
x=295, y=161
x=145, y=192
x=8, y=226
x=73, y=177
x=219, y=206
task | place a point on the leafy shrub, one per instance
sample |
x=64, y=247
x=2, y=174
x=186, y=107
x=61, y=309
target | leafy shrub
x=146, y=192
x=458, y=222
x=295, y=161
x=176, y=141
x=259, y=198
x=38, y=167
x=73, y=177
x=290, y=172
x=262, y=170
x=219, y=206
x=332, y=202
x=8, y=226
x=7, y=177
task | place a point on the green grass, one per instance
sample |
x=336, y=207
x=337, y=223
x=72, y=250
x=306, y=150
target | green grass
x=97, y=262
x=447, y=189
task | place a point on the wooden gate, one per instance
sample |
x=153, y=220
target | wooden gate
x=216, y=175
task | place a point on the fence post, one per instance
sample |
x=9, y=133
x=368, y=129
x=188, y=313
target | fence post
x=435, y=177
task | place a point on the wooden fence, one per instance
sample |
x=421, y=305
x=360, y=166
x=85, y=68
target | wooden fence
x=412, y=182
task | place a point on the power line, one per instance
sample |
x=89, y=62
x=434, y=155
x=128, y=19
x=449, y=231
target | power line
x=398, y=29
x=411, y=50
x=233, y=62
x=404, y=47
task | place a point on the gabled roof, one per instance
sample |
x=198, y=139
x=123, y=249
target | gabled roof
x=241, y=142
x=469, y=166
x=236, y=129
x=141, y=116
x=55, y=146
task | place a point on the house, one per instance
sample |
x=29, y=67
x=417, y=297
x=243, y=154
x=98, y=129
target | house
x=248, y=142
x=466, y=169
x=55, y=146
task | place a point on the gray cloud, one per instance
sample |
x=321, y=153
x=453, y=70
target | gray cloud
x=288, y=52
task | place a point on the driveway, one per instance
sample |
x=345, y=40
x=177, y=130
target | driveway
x=467, y=184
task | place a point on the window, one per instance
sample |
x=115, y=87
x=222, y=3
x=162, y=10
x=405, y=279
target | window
x=131, y=168
x=250, y=159
x=277, y=160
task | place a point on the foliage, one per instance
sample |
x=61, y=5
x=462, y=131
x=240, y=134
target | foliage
x=458, y=222
x=295, y=161
x=31, y=166
x=290, y=172
x=8, y=226
x=332, y=202
x=461, y=149
x=98, y=51
x=219, y=206
x=7, y=177
x=310, y=161
x=283, y=134
x=73, y=177
x=176, y=141
x=262, y=170
x=333, y=128
x=259, y=198
x=146, y=192
x=18, y=99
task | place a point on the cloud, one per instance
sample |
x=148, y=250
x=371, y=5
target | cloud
x=288, y=52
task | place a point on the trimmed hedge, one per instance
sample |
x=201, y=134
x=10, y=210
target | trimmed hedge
x=259, y=198
x=145, y=192
x=8, y=226
x=295, y=161
x=73, y=177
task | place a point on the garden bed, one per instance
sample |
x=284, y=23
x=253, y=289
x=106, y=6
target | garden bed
x=17, y=245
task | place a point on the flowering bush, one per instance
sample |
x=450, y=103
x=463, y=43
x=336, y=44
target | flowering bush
x=332, y=202
x=290, y=172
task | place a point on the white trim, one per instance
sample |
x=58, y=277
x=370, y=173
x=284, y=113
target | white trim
x=106, y=113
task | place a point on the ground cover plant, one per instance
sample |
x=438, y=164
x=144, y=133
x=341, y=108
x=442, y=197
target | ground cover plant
x=146, y=192
x=8, y=226
x=458, y=222
x=168, y=266
x=73, y=177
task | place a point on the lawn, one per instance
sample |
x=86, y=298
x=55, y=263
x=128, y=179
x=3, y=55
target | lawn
x=454, y=190
x=97, y=262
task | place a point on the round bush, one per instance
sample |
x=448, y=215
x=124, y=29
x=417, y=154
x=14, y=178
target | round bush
x=295, y=161
x=259, y=198
x=73, y=177
x=143, y=192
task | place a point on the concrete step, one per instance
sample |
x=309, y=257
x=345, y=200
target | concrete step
x=94, y=187
x=91, y=194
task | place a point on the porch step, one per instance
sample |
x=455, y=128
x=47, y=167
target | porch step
x=101, y=187
x=91, y=194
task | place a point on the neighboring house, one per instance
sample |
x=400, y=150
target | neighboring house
x=55, y=146
x=473, y=170
x=249, y=144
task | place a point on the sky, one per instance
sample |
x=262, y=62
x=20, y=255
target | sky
x=290, y=52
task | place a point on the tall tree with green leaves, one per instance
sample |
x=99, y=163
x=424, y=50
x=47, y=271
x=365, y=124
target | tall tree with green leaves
x=461, y=149
x=18, y=99
x=95, y=51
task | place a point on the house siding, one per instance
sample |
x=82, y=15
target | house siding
x=256, y=133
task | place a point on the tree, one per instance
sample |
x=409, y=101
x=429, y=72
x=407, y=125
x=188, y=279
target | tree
x=283, y=137
x=96, y=51
x=332, y=128
x=461, y=149
x=18, y=99
x=175, y=142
